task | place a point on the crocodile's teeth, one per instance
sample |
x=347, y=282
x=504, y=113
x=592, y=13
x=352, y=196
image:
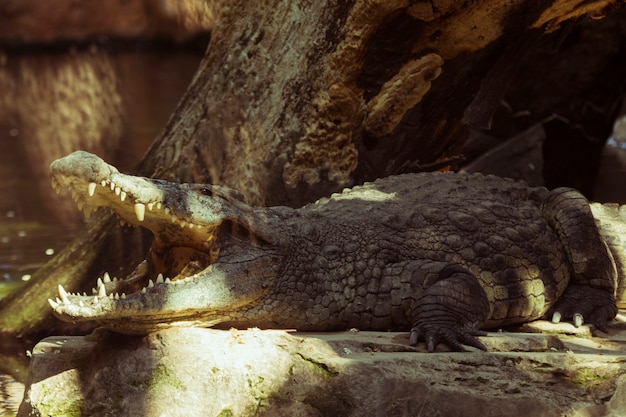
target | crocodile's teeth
x=140, y=211
x=123, y=195
x=191, y=225
x=556, y=317
x=183, y=223
x=174, y=218
x=123, y=296
x=106, y=278
x=150, y=206
x=95, y=300
x=53, y=304
x=159, y=205
x=118, y=190
x=102, y=292
x=113, y=187
x=150, y=283
x=103, y=183
x=99, y=283
x=63, y=295
x=143, y=290
x=117, y=296
x=166, y=210
x=159, y=279
x=91, y=189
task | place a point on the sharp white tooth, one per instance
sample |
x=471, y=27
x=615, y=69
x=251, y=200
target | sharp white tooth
x=167, y=210
x=103, y=183
x=106, y=277
x=191, y=225
x=59, y=301
x=150, y=283
x=84, y=294
x=183, y=223
x=63, y=295
x=150, y=206
x=102, y=292
x=117, y=296
x=140, y=211
x=159, y=279
x=99, y=283
x=159, y=205
x=167, y=280
x=113, y=186
x=123, y=296
x=111, y=297
x=143, y=290
x=91, y=189
x=53, y=304
x=94, y=291
x=123, y=195
x=118, y=190
x=174, y=218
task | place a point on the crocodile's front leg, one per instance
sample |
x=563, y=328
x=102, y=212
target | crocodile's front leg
x=450, y=311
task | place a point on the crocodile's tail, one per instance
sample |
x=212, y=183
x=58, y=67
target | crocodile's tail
x=611, y=221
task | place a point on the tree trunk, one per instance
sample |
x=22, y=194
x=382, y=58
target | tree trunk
x=294, y=100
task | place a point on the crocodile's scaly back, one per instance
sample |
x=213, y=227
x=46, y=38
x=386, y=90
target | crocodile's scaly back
x=441, y=254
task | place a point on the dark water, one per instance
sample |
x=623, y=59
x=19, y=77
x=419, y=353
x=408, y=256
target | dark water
x=111, y=102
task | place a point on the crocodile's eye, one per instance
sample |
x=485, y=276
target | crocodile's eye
x=206, y=191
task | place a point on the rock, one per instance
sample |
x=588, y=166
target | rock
x=205, y=372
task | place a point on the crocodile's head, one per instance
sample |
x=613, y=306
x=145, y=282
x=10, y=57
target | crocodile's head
x=211, y=253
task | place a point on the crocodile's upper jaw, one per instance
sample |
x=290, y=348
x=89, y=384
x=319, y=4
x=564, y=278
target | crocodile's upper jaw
x=177, y=227
x=184, y=219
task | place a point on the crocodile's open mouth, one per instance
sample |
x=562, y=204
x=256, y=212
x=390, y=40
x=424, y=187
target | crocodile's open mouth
x=185, y=220
x=180, y=247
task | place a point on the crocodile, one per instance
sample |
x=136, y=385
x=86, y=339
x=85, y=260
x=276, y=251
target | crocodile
x=440, y=255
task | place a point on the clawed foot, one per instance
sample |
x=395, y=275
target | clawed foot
x=452, y=335
x=583, y=304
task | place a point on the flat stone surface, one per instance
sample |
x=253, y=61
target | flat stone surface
x=204, y=372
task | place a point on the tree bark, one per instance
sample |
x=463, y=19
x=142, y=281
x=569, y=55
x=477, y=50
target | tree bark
x=294, y=100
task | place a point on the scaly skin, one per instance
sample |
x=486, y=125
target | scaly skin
x=440, y=254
